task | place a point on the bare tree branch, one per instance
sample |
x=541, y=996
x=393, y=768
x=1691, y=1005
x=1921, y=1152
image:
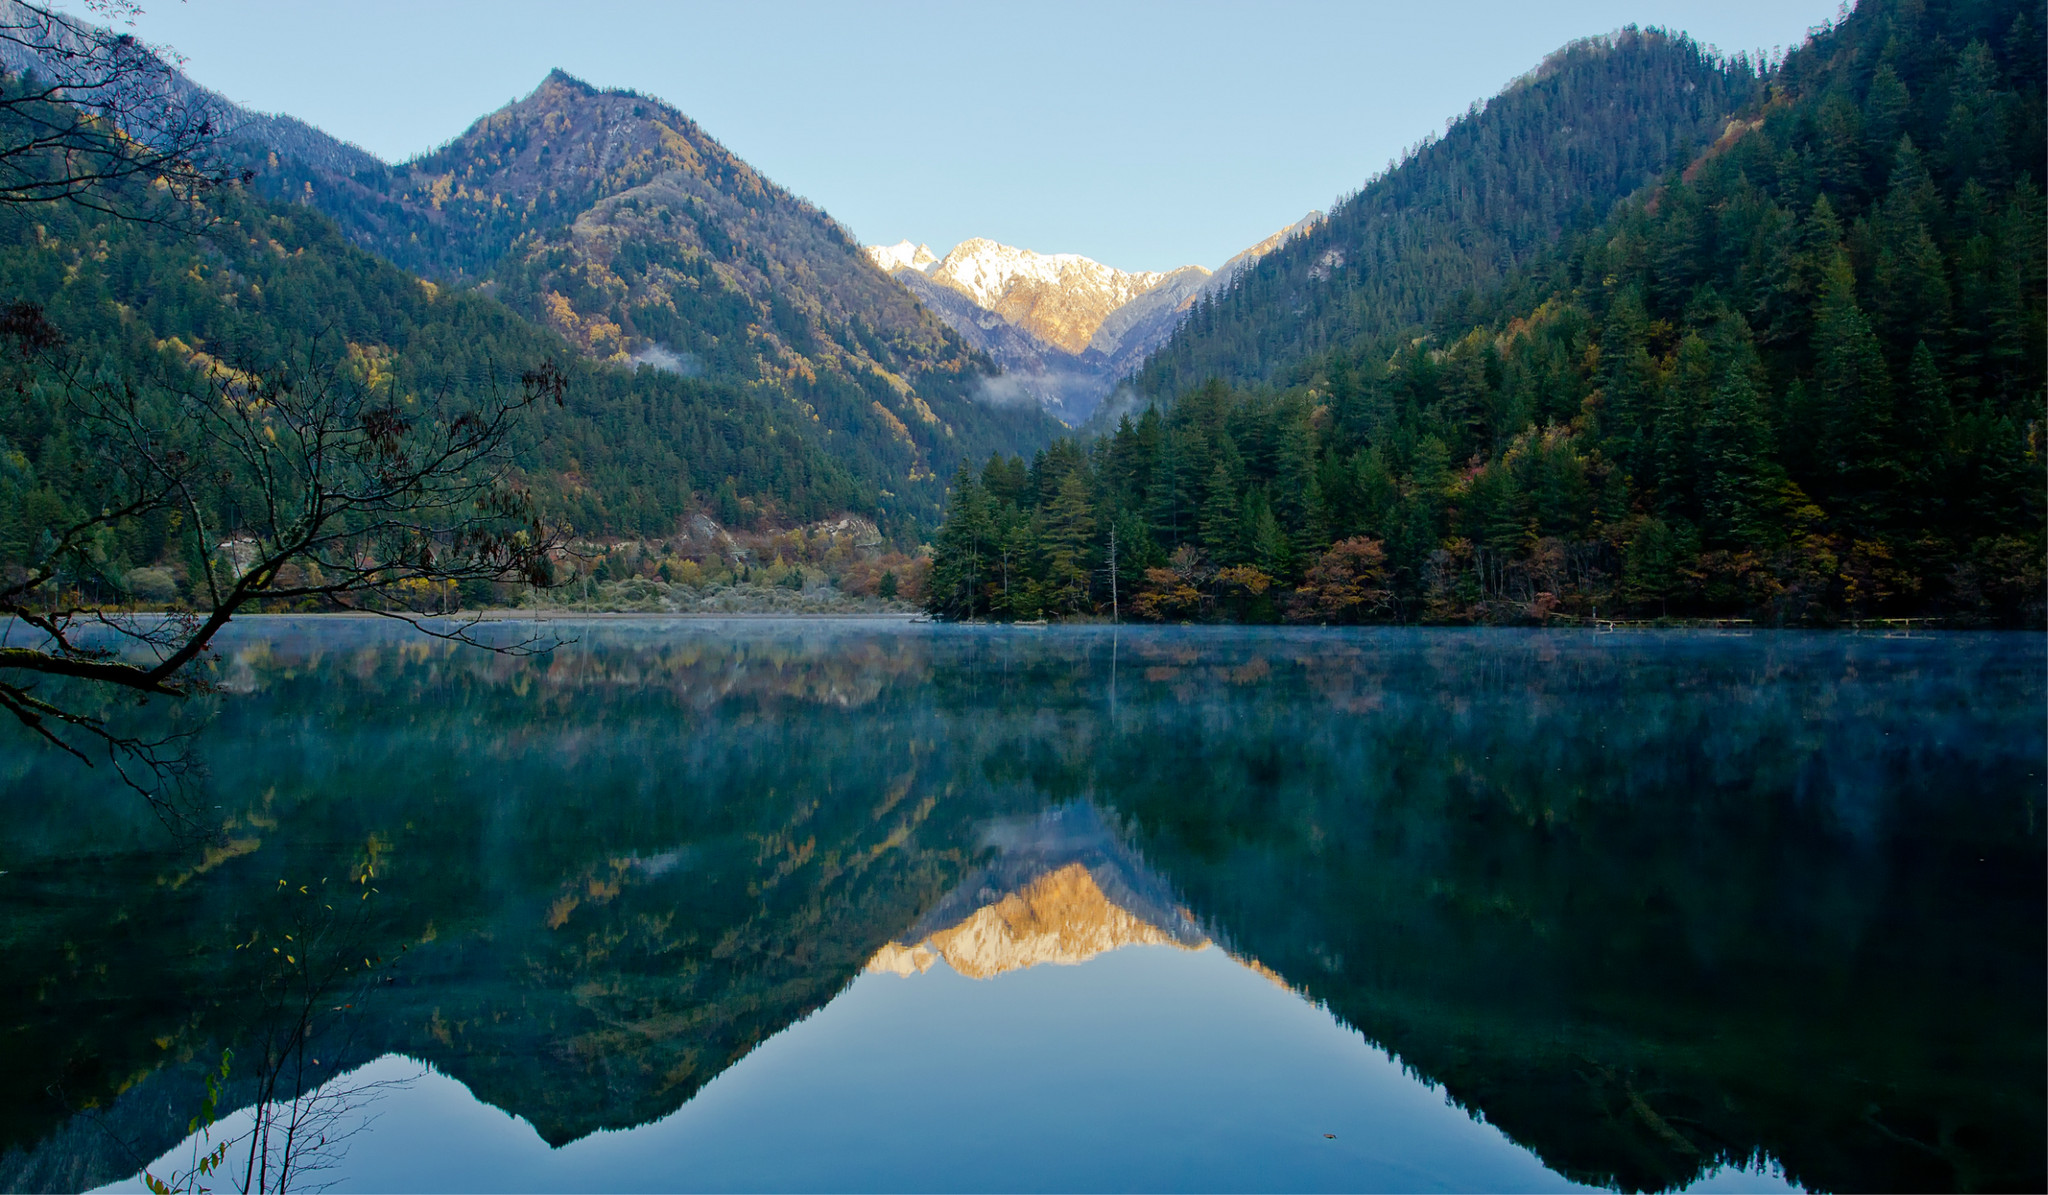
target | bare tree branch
x=315, y=480
x=96, y=117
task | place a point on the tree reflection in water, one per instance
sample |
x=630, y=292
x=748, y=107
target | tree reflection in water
x=1647, y=903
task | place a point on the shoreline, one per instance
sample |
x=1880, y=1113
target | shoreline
x=1895, y=626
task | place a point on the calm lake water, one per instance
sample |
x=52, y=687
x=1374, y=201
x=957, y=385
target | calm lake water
x=758, y=905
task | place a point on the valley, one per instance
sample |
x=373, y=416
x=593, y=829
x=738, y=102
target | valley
x=541, y=658
x=742, y=359
x=1067, y=331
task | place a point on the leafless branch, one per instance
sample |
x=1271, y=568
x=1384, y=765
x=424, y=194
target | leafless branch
x=97, y=117
x=320, y=480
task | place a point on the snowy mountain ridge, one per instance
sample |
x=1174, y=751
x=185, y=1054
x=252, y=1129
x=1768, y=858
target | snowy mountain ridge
x=988, y=271
x=1064, y=327
x=900, y=254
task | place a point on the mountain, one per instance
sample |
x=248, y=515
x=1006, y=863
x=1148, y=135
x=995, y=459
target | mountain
x=633, y=452
x=903, y=253
x=620, y=223
x=1039, y=316
x=1596, y=121
x=1243, y=259
x=1796, y=381
x=70, y=51
x=1061, y=918
x=1066, y=329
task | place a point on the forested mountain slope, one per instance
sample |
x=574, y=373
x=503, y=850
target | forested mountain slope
x=630, y=454
x=620, y=223
x=1799, y=381
x=1596, y=121
x=616, y=220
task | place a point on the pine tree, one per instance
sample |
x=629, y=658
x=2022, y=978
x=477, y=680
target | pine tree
x=959, y=576
x=1270, y=550
x=1297, y=491
x=1627, y=379
x=1223, y=512
x=1851, y=403
x=1681, y=407
x=1910, y=277
x=1164, y=509
x=1068, y=547
x=1377, y=495
x=1922, y=433
x=1885, y=109
x=1737, y=479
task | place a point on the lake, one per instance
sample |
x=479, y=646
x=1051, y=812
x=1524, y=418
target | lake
x=789, y=905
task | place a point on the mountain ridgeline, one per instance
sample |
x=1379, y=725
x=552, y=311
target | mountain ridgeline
x=729, y=350
x=631, y=452
x=1067, y=331
x=1597, y=121
x=618, y=222
x=1798, y=379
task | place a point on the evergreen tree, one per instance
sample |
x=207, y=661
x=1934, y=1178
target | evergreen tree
x=1737, y=480
x=1223, y=513
x=1703, y=402
x=1068, y=547
x=1851, y=402
x=959, y=576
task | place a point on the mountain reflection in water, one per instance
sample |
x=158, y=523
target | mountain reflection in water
x=1649, y=904
x=1062, y=889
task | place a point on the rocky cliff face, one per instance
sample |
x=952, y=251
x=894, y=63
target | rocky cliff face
x=1066, y=329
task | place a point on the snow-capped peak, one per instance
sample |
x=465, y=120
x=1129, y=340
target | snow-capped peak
x=903, y=253
x=1064, y=328
x=987, y=271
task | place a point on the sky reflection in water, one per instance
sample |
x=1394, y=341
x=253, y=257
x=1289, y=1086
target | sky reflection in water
x=1147, y=1069
x=1647, y=904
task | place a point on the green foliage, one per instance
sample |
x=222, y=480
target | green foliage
x=203, y=1165
x=633, y=451
x=622, y=225
x=1801, y=381
x=1595, y=122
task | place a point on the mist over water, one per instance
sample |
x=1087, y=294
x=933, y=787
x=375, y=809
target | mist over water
x=1618, y=910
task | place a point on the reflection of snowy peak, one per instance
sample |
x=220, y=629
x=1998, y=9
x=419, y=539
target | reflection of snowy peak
x=1061, y=917
x=1065, y=328
x=1063, y=889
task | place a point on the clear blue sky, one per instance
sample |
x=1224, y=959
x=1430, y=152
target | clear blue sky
x=1145, y=135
